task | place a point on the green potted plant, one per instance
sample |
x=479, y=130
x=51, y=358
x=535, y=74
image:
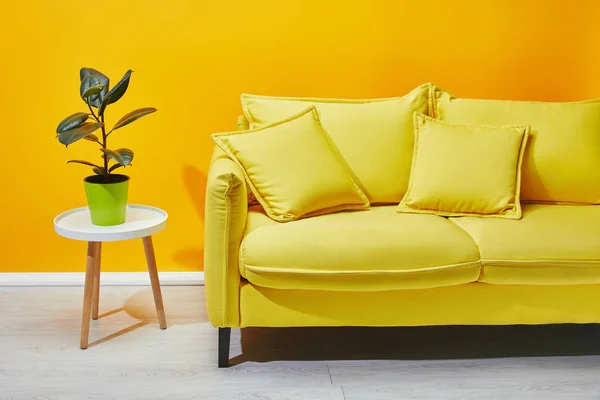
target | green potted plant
x=106, y=191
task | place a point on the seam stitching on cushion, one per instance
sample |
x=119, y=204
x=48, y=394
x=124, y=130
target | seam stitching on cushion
x=517, y=195
x=510, y=213
x=460, y=226
x=588, y=101
x=242, y=256
x=417, y=122
x=454, y=124
x=565, y=203
x=280, y=122
x=430, y=100
x=247, y=112
x=338, y=155
x=436, y=103
x=226, y=248
x=331, y=100
x=541, y=263
x=243, y=247
x=254, y=268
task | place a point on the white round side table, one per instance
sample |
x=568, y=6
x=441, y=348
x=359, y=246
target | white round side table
x=141, y=222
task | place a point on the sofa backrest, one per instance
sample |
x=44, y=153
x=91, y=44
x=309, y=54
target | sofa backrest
x=562, y=158
x=375, y=136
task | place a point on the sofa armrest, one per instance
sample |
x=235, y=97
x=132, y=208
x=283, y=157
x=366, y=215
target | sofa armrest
x=225, y=221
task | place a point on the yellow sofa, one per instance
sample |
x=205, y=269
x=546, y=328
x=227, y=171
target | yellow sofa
x=383, y=268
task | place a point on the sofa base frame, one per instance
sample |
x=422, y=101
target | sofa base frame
x=224, y=340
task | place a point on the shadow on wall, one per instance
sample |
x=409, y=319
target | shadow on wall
x=195, y=184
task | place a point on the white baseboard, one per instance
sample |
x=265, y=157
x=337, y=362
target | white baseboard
x=106, y=278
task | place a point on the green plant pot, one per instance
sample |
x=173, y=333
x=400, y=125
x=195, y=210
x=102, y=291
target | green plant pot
x=107, y=201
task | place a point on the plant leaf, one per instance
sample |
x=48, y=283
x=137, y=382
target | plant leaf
x=92, y=92
x=92, y=138
x=84, y=163
x=86, y=83
x=132, y=116
x=72, y=121
x=103, y=79
x=73, y=135
x=111, y=169
x=114, y=155
x=119, y=89
x=98, y=170
x=126, y=155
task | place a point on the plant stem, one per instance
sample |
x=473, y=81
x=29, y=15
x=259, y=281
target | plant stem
x=91, y=110
x=104, y=137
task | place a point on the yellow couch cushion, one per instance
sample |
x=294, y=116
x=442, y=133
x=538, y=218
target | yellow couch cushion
x=550, y=245
x=375, y=136
x=562, y=158
x=293, y=168
x=377, y=249
x=465, y=169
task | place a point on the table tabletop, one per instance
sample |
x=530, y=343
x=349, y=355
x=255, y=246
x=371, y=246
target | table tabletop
x=140, y=221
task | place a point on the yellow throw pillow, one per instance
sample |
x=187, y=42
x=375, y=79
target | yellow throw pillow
x=460, y=170
x=293, y=168
x=562, y=159
x=374, y=136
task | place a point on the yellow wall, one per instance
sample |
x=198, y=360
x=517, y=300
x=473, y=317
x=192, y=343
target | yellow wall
x=193, y=58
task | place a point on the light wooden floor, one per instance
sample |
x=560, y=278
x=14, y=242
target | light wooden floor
x=131, y=358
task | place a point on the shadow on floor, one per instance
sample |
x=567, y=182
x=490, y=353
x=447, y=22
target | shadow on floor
x=417, y=343
x=183, y=305
x=118, y=333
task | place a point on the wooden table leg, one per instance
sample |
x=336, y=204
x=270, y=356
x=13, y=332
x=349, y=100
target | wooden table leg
x=90, y=272
x=96, y=296
x=151, y=261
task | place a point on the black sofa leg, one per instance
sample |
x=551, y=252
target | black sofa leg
x=224, y=339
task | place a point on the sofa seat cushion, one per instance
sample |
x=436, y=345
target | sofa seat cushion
x=550, y=245
x=375, y=249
